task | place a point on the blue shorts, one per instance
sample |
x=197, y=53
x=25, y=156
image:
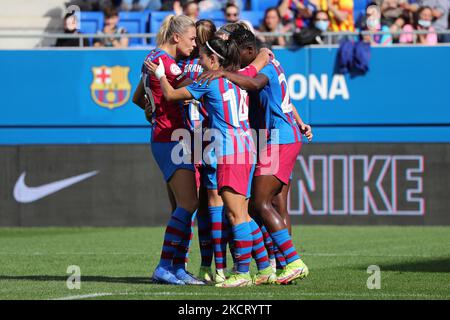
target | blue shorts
x=209, y=171
x=162, y=152
x=249, y=190
x=209, y=177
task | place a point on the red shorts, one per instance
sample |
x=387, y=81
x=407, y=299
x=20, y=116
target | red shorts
x=278, y=160
x=237, y=176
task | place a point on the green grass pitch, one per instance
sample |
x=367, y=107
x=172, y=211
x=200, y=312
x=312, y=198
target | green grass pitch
x=116, y=263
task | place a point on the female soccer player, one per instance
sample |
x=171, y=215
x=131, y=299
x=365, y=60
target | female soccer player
x=272, y=112
x=280, y=202
x=265, y=273
x=196, y=119
x=228, y=119
x=176, y=39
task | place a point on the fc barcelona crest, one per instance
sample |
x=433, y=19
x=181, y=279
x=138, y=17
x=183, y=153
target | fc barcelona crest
x=110, y=87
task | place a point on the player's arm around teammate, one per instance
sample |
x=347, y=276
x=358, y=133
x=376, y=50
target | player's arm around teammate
x=176, y=39
x=235, y=202
x=277, y=157
x=225, y=116
x=261, y=60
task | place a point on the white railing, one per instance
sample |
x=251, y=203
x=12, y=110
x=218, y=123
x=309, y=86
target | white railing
x=328, y=36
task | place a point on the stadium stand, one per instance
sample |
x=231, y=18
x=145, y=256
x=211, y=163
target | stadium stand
x=135, y=22
x=263, y=4
x=25, y=16
x=359, y=9
x=156, y=18
x=216, y=16
x=91, y=22
x=255, y=17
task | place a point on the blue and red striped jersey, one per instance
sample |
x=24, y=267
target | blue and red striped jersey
x=275, y=109
x=167, y=115
x=227, y=107
x=191, y=68
x=195, y=115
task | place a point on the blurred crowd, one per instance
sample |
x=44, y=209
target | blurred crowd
x=307, y=19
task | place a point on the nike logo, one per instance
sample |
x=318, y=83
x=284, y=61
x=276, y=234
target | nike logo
x=26, y=194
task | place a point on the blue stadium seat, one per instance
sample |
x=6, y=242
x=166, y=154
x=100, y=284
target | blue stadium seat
x=134, y=22
x=217, y=17
x=91, y=22
x=156, y=18
x=255, y=17
x=359, y=7
x=262, y=5
x=359, y=10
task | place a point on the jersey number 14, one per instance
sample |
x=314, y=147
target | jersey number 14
x=238, y=112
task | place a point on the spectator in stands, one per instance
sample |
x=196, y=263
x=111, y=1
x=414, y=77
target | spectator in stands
x=214, y=5
x=225, y=31
x=440, y=12
x=178, y=5
x=391, y=10
x=321, y=20
x=111, y=28
x=422, y=21
x=171, y=5
x=140, y=5
x=405, y=18
x=84, y=5
x=272, y=23
x=99, y=5
x=71, y=27
x=204, y=6
x=373, y=23
x=296, y=14
x=313, y=33
x=190, y=9
x=232, y=12
x=340, y=13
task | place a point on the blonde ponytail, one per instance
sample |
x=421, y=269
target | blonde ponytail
x=173, y=24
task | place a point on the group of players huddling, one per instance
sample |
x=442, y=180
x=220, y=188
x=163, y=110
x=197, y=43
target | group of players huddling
x=219, y=84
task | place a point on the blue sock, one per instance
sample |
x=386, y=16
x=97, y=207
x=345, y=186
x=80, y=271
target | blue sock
x=204, y=238
x=219, y=235
x=179, y=223
x=267, y=241
x=284, y=243
x=181, y=256
x=280, y=260
x=243, y=243
x=259, y=252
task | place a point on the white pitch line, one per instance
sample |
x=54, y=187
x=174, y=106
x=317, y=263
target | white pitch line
x=86, y=296
x=224, y=294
